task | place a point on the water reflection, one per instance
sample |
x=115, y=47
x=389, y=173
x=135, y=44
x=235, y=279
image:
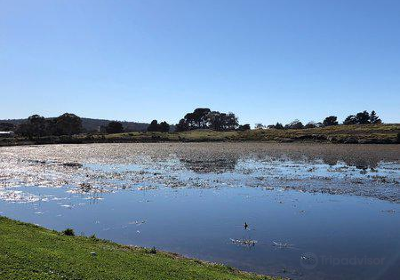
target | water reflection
x=210, y=166
x=229, y=163
x=285, y=229
x=96, y=169
x=282, y=192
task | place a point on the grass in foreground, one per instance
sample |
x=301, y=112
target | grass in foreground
x=31, y=252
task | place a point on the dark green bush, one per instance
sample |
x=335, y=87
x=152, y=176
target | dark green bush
x=68, y=232
x=153, y=250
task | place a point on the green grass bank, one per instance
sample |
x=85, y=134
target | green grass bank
x=31, y=252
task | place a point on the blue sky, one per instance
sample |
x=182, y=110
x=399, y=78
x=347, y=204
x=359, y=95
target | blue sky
x=138, y=60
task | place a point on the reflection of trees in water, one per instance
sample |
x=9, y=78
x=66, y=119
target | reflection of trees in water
x=222, y=157
x=359, y=163
x=220, y=165
x=209, y=162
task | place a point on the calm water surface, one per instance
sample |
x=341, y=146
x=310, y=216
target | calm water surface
x=314, y=211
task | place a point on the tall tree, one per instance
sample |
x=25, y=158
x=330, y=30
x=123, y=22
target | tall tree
x=296, y=124
x=231, y=121
x=35, y=126
x=197, y=119
x=68, y=124
x=222, y=121
x=331, y=120
x=374, y=118
x=153, y=126
x=275, y=126
x=350, y=120
x=215, y=120
x=164, y=127
x=363, y=117
x=202, y=118
x=114, y=127
x=182, y=126
x=278, y=125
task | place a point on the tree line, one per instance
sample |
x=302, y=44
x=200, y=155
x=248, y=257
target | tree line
x=161, y=127
x=360, y=118
x=200, y=118
x=38, y=126
x=204, y=118
x=68, y=124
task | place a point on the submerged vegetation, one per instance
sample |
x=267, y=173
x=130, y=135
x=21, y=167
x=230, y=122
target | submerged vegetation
x=31, y=252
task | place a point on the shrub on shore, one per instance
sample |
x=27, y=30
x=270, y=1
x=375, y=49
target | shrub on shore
x=68, y=232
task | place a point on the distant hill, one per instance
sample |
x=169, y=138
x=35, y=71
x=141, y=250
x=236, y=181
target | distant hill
x=94, y=124
x=91, y=125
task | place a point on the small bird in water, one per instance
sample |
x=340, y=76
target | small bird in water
x=245, y=225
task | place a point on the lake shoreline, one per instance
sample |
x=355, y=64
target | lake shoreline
x=97, y=258
x=39, y=143
x=73, y=142
x=340, y=134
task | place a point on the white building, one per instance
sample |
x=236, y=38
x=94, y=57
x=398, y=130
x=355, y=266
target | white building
x=7, y=133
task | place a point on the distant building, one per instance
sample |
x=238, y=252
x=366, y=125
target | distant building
x=7, y=133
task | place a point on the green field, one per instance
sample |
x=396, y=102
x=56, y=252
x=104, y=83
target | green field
x=379, y=133
x=31, y=252
x=368, y=133
x=363, y=134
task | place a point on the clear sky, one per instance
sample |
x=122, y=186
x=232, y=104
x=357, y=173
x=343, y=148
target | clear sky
x=138, y=60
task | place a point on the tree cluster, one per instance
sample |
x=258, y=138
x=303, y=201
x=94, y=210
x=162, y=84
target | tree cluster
x=296, y=124
x=360, y=118
x=204, y=118
x=161, y=127
x=329, y=121
x=363, y=118
x=244, y=127
x=313, y=125
x=114, y=127
x=7, y=127
x=38, y=126
x=201, y=118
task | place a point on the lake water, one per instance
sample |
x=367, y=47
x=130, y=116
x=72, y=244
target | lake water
x=313, y=211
